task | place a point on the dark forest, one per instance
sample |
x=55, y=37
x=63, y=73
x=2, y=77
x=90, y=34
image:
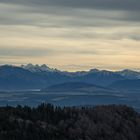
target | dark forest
x=48, y=122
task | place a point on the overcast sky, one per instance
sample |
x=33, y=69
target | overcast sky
x=71, y=34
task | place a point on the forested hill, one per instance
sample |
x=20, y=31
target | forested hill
x=47, y=122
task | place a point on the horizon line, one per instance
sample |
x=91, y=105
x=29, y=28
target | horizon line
x=53, y=68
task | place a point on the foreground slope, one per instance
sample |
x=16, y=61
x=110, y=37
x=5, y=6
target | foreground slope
x=55, y=123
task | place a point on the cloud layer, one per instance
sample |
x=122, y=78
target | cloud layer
x=95, y=33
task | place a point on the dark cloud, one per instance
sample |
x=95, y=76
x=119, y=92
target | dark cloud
x=96, y=4
x=76, y=14
x=60, y=13
x=67, y=18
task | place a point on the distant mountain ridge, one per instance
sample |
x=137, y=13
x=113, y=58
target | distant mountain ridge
x=12, y=77
x=130, y=74
x=75, y=86
x=38, y=77
x=127, y=73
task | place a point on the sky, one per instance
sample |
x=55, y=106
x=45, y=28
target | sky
x=71, y=35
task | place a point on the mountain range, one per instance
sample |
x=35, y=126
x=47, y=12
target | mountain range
x=40, y=77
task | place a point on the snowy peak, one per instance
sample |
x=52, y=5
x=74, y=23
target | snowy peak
x=38, y=68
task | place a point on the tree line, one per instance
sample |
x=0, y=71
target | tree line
x=48, y=122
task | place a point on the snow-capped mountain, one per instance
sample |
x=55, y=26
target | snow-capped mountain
x=38, y=68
